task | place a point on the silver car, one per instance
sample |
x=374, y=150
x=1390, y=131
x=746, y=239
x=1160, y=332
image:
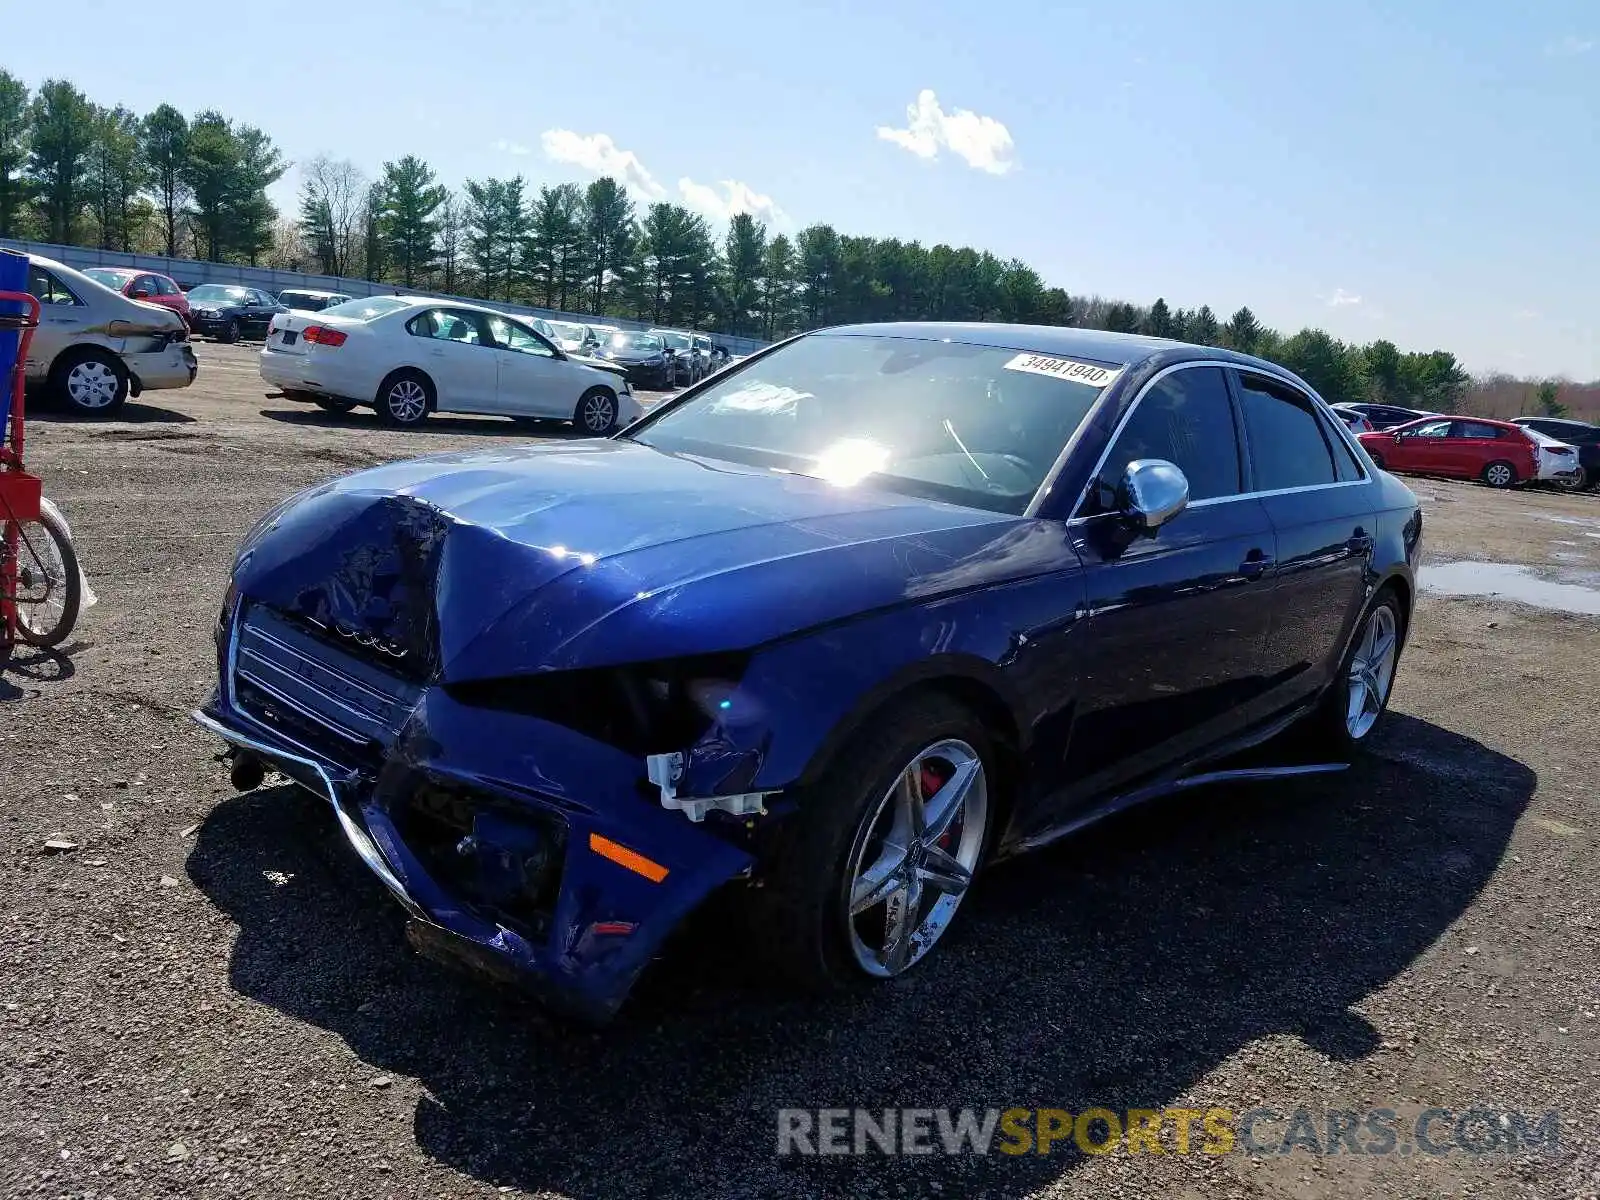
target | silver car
x=95, y=347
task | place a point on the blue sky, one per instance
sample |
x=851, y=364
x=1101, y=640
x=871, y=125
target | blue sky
x=1427, y=171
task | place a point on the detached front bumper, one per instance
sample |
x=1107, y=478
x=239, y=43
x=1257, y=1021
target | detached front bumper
x=517, y=846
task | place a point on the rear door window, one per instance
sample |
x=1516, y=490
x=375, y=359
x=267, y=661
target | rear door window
x=47, y=289
x=1474, y=429
x=1185, y=418
x=1288, y=448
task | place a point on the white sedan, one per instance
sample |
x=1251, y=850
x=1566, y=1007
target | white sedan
x=407, y=356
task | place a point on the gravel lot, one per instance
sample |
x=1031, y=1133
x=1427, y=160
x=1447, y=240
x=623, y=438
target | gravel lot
x=209, y=996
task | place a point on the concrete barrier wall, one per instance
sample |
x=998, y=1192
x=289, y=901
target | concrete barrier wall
x=189, y=272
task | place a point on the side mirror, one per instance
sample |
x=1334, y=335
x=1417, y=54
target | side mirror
x=1151, y=493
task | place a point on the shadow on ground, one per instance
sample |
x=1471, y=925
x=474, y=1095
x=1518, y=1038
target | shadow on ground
x=477, y=426
x=23, y=668
x=133, y=412
x=1115, y=970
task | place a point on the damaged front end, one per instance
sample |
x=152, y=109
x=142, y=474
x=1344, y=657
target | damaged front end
x=534, y=827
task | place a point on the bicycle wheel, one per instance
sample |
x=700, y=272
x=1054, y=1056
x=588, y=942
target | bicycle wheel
x=49, y=587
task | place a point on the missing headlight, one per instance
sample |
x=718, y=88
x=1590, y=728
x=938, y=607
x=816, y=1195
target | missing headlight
x=641, y=708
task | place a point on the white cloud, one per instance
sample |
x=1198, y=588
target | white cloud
x=1570, y=46
x=599, y=155
x=981, y=142
x=728, y=198
x=1343, y=299
x=516, y=148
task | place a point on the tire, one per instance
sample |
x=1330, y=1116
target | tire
x=91, y=383
x=596, y=413
x=229, y=334
x=405, y=398
x=1499, y=474
x=821, y=862
x=1332, y=729
x=1581, y=482
x=334, y=404
x=48, y=569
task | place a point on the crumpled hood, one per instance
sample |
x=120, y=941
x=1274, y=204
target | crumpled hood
x=472, y=566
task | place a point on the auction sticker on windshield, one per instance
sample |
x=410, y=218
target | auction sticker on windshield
x=1065, y=368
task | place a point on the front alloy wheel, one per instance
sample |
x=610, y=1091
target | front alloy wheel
x=597, y=412
x=914, y=858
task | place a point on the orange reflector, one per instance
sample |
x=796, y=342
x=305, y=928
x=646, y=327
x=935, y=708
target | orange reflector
x=623, y=857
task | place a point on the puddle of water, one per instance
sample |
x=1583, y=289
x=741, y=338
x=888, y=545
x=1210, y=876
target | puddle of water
x=1510, y=581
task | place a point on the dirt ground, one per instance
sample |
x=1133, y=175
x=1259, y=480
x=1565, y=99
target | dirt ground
x=209, y=996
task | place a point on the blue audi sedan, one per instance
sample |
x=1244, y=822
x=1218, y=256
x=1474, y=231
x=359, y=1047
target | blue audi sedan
x=833, y=630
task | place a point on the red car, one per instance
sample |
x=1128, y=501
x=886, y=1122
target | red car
x=143, y=285
x=1497, y=452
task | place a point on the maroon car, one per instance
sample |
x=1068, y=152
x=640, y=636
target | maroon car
x=143, y=285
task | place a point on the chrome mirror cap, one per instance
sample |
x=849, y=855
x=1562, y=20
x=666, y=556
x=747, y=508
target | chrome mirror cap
x=1151, y=493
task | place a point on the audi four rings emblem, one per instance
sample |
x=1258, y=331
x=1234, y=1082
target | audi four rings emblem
x=370, y=640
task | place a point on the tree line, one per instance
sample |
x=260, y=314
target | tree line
x=73, y=172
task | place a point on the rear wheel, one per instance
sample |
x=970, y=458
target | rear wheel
x=405, y=398
x=93, y=383
x=1575, y=483
x=49, y=587
x=882, y=850
x=597, y=412
x=1500, y=474
x=1356, y=703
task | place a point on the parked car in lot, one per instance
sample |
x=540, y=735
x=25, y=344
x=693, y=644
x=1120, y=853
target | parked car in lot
x=687, y=365
x=309, y=299
x=644, y=356
x=410, y=356
x=573, y=337
x=862, y=615
x=143, y=285
x=1497, y=452
x=1386, y=416
x=1581, y=435
x=96, y=346
x=1354, y=420
x=229, y=312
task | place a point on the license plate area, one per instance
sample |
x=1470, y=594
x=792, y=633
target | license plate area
x=289, y=336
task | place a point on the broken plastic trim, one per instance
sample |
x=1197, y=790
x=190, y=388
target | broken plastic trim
x=666, y=772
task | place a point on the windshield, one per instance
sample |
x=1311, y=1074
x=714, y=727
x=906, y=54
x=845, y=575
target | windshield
x=217, y=291
x=112, y=279
x=635, y=341
x=678, y=341
x=973, y=425
x=567, y=331
x=368, y=308
x=308, y=300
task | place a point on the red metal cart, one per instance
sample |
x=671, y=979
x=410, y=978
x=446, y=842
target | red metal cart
x=40, y=584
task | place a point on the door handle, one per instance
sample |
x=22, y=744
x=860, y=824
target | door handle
x=1255, y=565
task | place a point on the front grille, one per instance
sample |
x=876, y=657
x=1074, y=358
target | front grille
x=314, y=692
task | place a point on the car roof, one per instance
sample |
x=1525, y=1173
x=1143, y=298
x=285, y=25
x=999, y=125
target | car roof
x=1123, y=349
x=314, y=292
x=1555, y=421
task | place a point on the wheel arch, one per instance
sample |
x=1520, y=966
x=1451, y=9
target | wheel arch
x=410, y=368
x=970, y=681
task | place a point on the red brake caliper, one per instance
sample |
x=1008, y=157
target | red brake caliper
x=932, y=781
